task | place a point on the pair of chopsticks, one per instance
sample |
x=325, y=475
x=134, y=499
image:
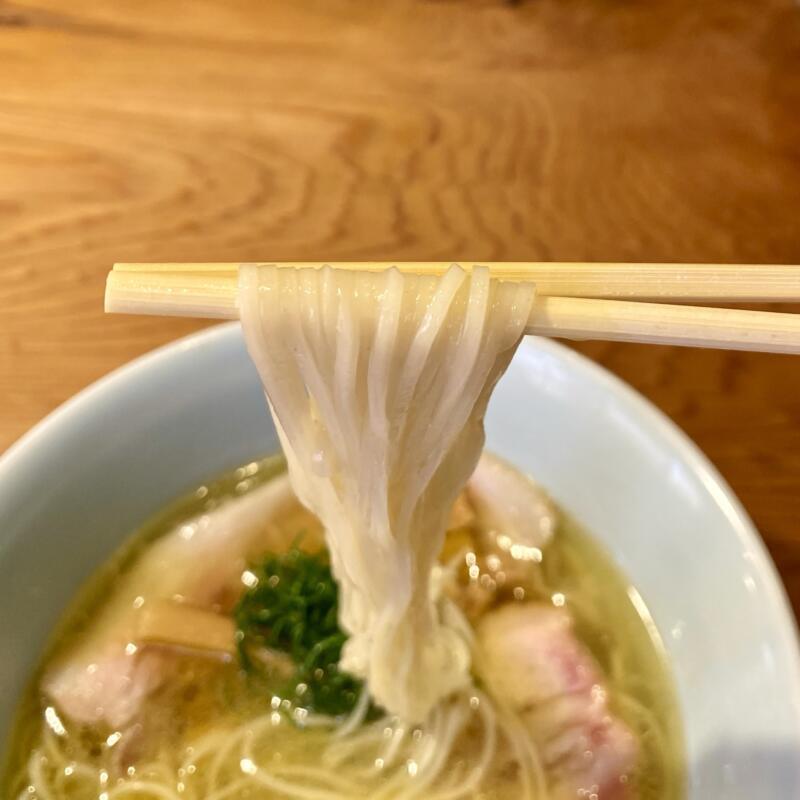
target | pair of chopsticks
x=573, y=300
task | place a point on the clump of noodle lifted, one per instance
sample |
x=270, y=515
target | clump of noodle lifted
x=378, y=384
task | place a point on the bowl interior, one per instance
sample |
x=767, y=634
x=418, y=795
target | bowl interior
x=74, y=487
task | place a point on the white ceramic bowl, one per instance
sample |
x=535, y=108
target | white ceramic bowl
x=77, y=484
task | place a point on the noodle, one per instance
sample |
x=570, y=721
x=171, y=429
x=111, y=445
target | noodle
x=357, y=716
x=380, y=439
x=157, y=790
x=456, y=754
x=377, y=384
x=37, y=779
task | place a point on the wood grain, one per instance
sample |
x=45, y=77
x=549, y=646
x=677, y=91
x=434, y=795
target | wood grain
x=337, y=129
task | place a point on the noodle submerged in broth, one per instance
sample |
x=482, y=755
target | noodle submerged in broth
x=214, y=730
x=395, y=634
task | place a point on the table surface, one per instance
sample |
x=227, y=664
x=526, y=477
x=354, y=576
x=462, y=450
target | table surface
x=340, y=129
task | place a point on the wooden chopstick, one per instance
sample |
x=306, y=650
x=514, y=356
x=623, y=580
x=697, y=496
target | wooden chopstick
x=659, y=323
x=214, y=293
x=173, y=294
x=686, y=282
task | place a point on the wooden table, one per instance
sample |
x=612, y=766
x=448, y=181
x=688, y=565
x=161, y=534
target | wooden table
x=139, y=130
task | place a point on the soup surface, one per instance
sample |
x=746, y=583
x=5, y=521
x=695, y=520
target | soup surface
x=248, y=705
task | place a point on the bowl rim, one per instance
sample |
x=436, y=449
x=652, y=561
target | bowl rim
x=723, y=495
x=746, y=532
x=98, y=390
x=778, y=606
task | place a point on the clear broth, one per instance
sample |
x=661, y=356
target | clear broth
x=609, y=616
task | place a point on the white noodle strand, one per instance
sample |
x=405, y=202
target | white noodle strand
x=381, y=423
